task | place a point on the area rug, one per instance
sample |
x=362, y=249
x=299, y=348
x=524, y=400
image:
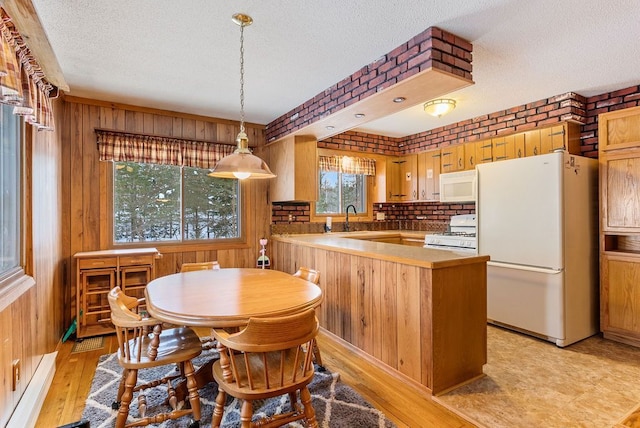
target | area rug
x=336, y=404
x=533, y=383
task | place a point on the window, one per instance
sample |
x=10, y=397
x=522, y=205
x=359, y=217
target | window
x=167, y=203
x=342, y=181
x=10, y=188
x=338, y=190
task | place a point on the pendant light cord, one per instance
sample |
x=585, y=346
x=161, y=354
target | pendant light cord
x=242, y=77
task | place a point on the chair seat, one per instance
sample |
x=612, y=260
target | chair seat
x=260, y=389
x=177, y=345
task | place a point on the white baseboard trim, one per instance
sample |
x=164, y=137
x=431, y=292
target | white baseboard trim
x=27, y=411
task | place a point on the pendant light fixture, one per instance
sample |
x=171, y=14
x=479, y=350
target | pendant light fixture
x=242, y=164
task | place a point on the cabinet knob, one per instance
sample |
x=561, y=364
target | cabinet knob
x=519, y=153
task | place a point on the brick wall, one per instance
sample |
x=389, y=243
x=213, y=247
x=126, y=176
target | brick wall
x=559, y=108
x=363, y=142
x=544, y=112
x=610, y=101
x=433, y=48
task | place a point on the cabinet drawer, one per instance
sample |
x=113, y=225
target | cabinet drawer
x=97, y=263
x=136, y=260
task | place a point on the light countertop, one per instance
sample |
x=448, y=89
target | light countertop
x=348, y=242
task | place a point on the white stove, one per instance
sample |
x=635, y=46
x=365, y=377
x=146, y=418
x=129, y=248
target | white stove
x=461, y=235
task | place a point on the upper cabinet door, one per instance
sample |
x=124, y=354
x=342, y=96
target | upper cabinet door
x=294, y=160
x=483, y=152
x=452, y=158
x=509, y=147
x=429, y=175
x=620, y=194
x=619, y=129
x=532, y=143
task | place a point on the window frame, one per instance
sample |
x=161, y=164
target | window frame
x=15, y=281
x=372, y=185
x=246, y=227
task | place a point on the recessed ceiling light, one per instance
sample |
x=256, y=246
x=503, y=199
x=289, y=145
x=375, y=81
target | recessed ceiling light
x=330, y=127
x=399, y=99
x=359, y=115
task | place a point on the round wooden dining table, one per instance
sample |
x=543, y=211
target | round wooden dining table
x=223, y=298
x=228, y=297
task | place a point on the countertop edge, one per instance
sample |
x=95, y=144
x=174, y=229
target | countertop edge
x=416, y=256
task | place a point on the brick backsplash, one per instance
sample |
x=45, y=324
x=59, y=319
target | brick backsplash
x=427, y=216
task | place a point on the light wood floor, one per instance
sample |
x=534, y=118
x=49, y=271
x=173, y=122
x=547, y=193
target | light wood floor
x=406, y=405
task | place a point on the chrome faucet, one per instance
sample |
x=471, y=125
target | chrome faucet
x=346, y=226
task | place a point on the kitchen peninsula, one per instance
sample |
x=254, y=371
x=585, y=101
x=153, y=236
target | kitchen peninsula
x=421, y=312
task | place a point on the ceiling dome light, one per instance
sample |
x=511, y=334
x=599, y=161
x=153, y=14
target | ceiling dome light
x=439, y=107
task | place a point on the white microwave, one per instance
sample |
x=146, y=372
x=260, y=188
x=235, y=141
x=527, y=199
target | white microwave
x=460, y=186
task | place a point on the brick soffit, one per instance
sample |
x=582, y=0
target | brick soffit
x=444, y=57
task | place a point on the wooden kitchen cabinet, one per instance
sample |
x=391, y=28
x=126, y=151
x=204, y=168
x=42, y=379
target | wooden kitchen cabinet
x=402, y=178
x=620, y=297
x=470, y=157
x=97, y=272
x=477, y=152
x=619, y=170
x=429, y=175
x=483, y=152
x=564, y=136
x=452, y=158
x=532, y=143
x=508, y=147
x=294, y=160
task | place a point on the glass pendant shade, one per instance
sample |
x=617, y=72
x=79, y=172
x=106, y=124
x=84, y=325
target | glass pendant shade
x=241, y=164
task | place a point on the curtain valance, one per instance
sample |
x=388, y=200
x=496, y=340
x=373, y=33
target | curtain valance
x=348, y=164
x=22, y=81
x=129, y=147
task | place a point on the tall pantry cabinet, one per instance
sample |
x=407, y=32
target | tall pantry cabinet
x=619, y=162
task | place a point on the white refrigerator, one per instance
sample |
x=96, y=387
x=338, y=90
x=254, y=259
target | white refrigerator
x=537, y=220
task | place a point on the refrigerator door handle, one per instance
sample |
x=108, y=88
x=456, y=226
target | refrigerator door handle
x=525, y=267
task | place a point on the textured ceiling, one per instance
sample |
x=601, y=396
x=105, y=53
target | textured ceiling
x=184, y=56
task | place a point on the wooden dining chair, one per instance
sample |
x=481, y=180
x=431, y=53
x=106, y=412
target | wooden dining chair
x=142, y=344
x=311, y=275
x=190, y=267
x=268, y=358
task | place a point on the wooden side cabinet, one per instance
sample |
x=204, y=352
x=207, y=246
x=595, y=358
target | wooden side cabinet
x=619, y=169
x=97, y=272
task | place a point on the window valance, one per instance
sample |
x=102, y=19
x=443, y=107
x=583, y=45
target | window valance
x=348, y=164
x=129, y=147
x=22, y=81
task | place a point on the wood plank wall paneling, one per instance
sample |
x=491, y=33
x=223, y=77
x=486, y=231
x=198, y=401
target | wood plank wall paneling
x=437, y=337
x=88, y=185
x=33, y=323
